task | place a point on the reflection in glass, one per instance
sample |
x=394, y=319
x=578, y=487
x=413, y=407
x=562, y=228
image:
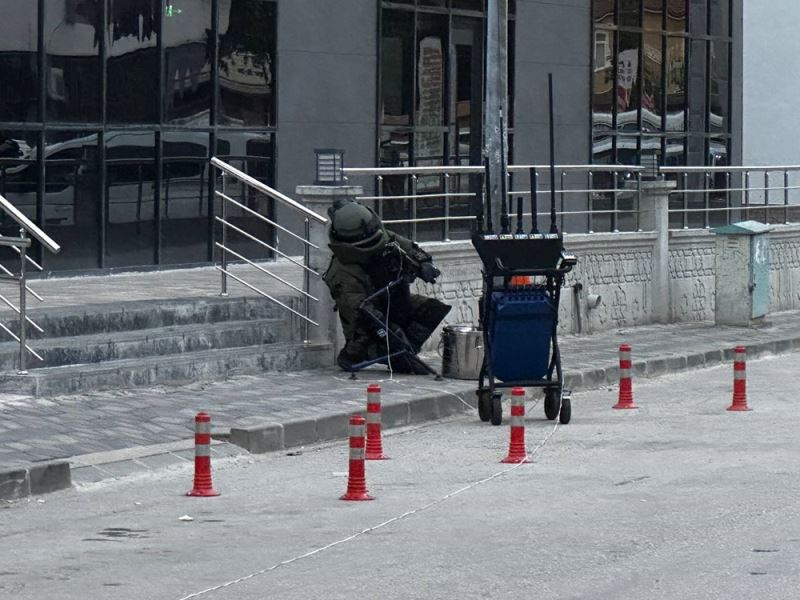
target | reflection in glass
x=697, y=86
x=187, y=69
x=628, y=97
x=652, y=92
x=629, y=13
x=429, y=151
x=431, y=52
x=133, y=91
x=676, y=84
x=719, y=88
x=720, y=18
x=247, y=62
x=470, y=5
x=73, y=66
x=698, y=17
x=676, y=16
x=18, y=175
x=19, y=70
x=603, y=81
x=254, y=154
x=184, y=199
x=397, y=67
x=653, y=14
x=130, y=197
x=467, y=38
x=603, y=12
x=72, y=198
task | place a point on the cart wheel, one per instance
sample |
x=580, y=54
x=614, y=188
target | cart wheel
x=552, y=397
x=484, y=405
x=566, y=410
x=497, y=409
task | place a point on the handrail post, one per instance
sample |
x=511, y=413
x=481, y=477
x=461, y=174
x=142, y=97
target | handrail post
x=766, y=197
x=589, y=204
x=685, y=200
x=728, y=205
x=22, y=307
x=223, y=254
x=747, y=195
x=306, y=279
x=414, y=208
x=447, y=190
x=786, y=197
x=707, y=200
x=562, y=194
x=614, y=204
x=639, y=202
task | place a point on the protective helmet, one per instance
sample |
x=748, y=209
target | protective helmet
x=353, y=223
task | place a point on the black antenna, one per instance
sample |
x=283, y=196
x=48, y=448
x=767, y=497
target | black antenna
x=479, y=203
x=505, y=225
x=519, y=215
x=489, y=225
x=534, y=201
x=553, y=226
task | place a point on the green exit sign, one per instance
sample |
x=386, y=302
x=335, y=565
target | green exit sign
x=171, y=11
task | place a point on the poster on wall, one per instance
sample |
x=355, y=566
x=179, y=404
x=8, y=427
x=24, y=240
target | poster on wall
x=627, y=72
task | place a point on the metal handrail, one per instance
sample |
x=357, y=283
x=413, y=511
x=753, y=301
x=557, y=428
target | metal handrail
x=29, y=226
x=20, y=245
x=265, y=189
x=225, y=249
x=728, y=169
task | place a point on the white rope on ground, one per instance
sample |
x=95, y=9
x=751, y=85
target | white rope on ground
x=379, y=525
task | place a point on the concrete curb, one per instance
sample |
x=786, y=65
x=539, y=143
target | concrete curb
x=21, y=482
x=258, y=437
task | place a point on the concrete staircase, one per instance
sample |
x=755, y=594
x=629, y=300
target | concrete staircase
x=154, y=342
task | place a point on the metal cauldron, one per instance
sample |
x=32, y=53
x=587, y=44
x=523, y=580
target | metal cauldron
x=461, y=348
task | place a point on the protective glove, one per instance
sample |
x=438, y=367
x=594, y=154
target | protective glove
x=428, y=273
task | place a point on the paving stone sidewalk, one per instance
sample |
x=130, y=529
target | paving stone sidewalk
x=34, y=430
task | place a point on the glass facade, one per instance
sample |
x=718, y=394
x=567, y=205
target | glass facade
x=110, y=110
x=431, y=103
x=660, y=81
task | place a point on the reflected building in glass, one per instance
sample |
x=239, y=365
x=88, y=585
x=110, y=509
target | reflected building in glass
x=110, y=109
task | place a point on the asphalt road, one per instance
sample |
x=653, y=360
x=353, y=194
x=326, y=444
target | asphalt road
x=677, y=500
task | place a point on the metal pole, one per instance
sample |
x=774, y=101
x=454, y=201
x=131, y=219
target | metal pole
x=766, y=197
x=589, y=211
x=447, y=190
x=22, y=308
x=747, y=194
x=534, y=176
x=639, y=202
x=561, y=194
x=224, y=254
x=728, y=196
x=706, y=186
x=786, y=196
x=379, y=190
x=553, y=226
x=306, y=278
x=685, y=201
x=496, y=95
x=414, y=208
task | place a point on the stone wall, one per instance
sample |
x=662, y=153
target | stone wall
x=618, y=267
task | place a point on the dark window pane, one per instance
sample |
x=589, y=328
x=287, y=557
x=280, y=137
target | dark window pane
x=19, y=70
x=652, y=90
x=603, y=81
x=627, y=150
x=629, y=13
x=133, y=93
x=720, y=17
x=676, y=84
x=18, y=174
x=676, y=148
x=187, y=68
x=247, y=75
x=184, y=197
x=395, y=147
x=72, y=198
x=72, y=32
x=603, y=12
x=719, y=88
x=698, y=17
x=697, y=86
x=438, y=3
x=676, y=16
x=467, y=36
x=628, y=81
x=653, y=14
x=397, y=66
x=130, y=196
x=253, y=154
x=470, y=5
x=431, y=48
x=428, y=148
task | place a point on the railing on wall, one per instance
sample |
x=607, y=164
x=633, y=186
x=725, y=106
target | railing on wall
x=227, y=227
x=710, y=196
x=440, y=203
x=20, y=245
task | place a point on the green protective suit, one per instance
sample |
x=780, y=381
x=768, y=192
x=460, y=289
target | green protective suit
x=356, y=273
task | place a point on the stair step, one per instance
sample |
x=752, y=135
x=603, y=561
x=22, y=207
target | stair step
x=161, y=341
x=205, y=365
x=89, y=319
